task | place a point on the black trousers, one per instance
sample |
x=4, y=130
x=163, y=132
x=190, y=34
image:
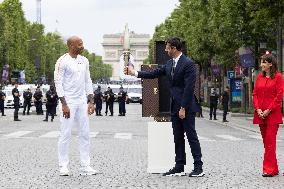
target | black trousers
x=213, y=108
x=50, y=110
x=121, y=108
x=16, y=110
x=27, y=104
x=2, y=107
x=225, y=111
x=186, y=126
x=38, y=105
x=109, y=105
x=98, y=107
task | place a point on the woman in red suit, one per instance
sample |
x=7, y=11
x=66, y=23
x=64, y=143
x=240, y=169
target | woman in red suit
x=267, y=101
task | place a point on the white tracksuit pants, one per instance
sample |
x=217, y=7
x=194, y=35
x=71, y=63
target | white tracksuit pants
x=79, y=117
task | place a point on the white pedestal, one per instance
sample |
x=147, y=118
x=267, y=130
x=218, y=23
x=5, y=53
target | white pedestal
x=161, y=150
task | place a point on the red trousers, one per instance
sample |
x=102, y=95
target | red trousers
x=269, y=132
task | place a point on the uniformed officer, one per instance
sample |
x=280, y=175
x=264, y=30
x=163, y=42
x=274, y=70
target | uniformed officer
x=51, y=102
x=225, y=103
x=121, y=98
x=109, y=98
x=27, y=101
x=98, y=95
x=213, y=103
x=2, y=101
x=38, y=101
x=16, y=96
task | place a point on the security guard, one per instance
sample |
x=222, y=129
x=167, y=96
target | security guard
x=27, y=101
x=225, y=103
x=38, y=101
x=106, y=99
x=121, y=98
x=213, y=103
x=16, y=95
x=109, y=98
x=2, y=100
x=98, y=95
x=52, y=98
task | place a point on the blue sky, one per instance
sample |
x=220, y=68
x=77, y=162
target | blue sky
x=91, y=19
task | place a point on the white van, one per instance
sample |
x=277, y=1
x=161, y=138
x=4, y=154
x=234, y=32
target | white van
x=9, y=100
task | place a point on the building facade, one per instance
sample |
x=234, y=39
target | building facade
x=113, y=50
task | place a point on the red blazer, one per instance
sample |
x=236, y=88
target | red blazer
x=268, y=94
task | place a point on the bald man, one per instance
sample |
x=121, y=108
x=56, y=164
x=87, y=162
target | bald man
x=73, y=84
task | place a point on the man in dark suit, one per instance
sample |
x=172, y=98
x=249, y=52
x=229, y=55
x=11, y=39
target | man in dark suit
x=213, y=103
x=180, y=71
x=225, y=103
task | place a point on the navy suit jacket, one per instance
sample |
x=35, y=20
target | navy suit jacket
x=181, y=85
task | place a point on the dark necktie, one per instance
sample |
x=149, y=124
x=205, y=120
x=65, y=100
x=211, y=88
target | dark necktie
x=173, y=69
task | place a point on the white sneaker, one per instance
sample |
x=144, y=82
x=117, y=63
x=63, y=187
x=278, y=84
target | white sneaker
x=87, y=170
x=63, y=171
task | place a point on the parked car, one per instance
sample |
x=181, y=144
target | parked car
x=134, y=93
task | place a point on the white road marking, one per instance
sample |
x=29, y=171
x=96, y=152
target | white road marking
x=258, y=137
x=93, y=134
x=201, y=138
x=52, y=134
x=17, y=134
x=229, y=137
x=126, y=136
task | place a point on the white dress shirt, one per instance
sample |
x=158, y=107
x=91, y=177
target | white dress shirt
x=177, y=59
x=72, y=78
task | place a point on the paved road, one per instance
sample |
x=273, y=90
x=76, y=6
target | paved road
x=232, y=156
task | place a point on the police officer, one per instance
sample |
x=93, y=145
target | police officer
x=98, y=98
x=38, y=101
x=51, y=102
x=27, y=101
x=121, y=98
x=106, y=99
x=225, y=102
x=16, y=96
x=109, y=98
x=2, y=100
x=213, y=103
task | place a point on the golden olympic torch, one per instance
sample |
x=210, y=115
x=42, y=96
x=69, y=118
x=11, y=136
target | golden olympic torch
x=126, y=47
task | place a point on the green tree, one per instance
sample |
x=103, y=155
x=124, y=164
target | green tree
x=54, y=47
x=36, y=49
x=216, y=29
x=15, y=36
x=2, y=49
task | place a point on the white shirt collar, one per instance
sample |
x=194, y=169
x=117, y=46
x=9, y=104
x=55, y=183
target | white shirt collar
x=177, y=59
